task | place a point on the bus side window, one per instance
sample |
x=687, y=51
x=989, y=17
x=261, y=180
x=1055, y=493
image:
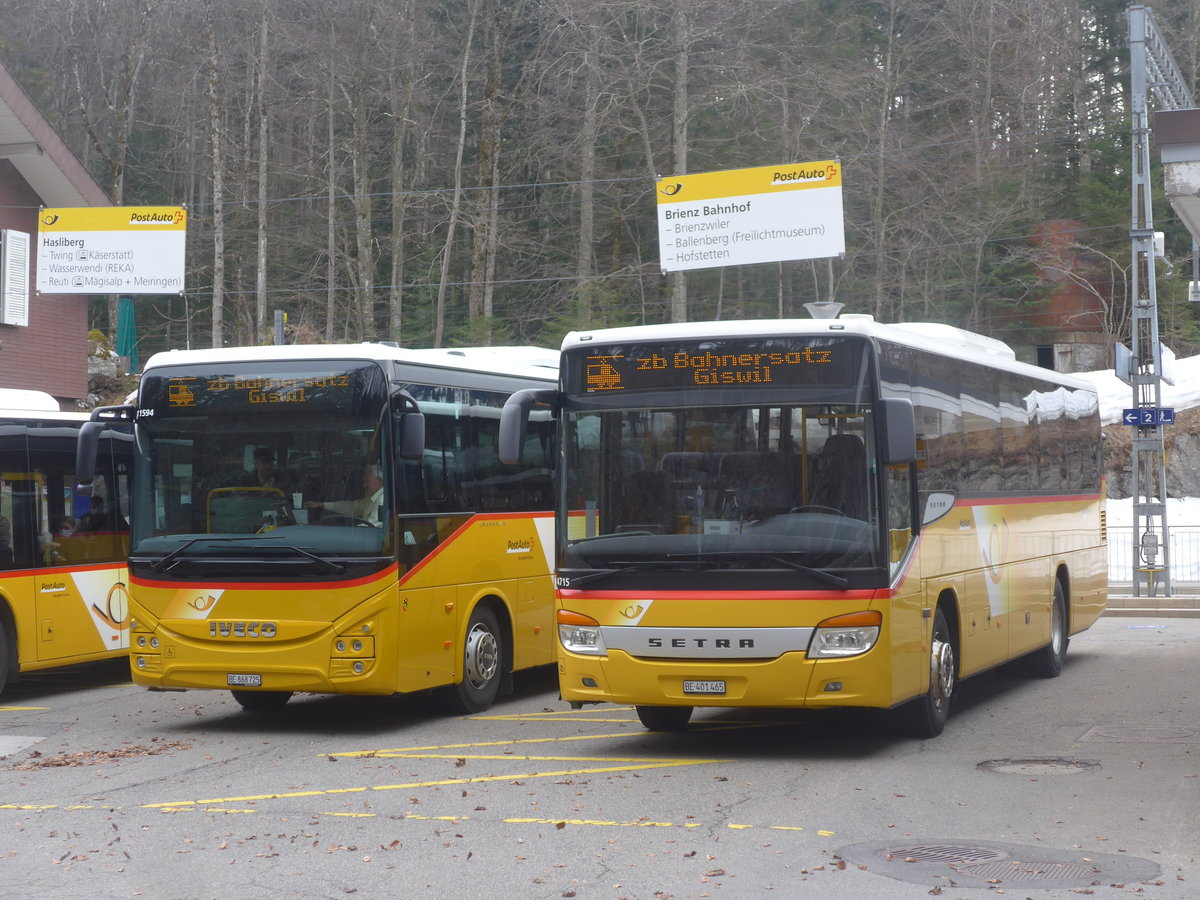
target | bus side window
x=899, y=512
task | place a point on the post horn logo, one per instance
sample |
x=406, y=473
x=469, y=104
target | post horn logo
x=116, y=608
x=49, y=218
x=672, y=189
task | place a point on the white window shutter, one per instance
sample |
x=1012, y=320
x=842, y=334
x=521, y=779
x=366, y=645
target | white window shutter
x=14, y=277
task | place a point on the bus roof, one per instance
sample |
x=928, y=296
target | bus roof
x=933, y=337
x=41, y=415
x=523, y=362
x=20, y=399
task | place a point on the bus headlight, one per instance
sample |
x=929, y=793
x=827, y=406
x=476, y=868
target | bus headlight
x=844, y=636
x=580, y=634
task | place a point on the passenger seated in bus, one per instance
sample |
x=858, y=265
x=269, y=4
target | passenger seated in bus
x=7, y=558
x=366, y=509
x=96, y=518
x=51, y=549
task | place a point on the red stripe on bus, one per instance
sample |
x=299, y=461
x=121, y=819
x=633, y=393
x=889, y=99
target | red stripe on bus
x=868, y=594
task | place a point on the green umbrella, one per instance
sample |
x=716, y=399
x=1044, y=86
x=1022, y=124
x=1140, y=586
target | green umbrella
x=127, y=333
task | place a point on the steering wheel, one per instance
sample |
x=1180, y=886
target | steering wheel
x=339, y=519
x=817, y=508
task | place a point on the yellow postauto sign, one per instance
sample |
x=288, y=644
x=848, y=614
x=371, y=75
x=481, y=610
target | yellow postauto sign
x=111, y=250
x=742, y=216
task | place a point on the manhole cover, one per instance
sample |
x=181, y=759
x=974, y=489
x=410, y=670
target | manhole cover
x=1143, y=734
x=953, y=854
x=1039, y=766
x=990, y=865
x=1025, y=872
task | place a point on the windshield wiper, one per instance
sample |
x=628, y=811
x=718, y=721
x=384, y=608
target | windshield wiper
x=168, y=561
x=576, y=580
x=820, y=574
x=621, y=566
x=612, y=536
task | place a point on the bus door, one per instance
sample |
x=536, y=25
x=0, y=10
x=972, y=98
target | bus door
x=77, y=545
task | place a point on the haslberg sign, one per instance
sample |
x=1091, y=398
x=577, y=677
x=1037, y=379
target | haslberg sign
x=111, y=250
x=742, y=216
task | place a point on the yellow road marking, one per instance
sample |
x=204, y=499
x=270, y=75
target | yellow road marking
x=24, y=708
x=447, y=782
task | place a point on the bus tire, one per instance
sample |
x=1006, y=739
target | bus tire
x=261, y=701
x=5, y=659
x=926, y=716
x=1048, y=661
x=483, y=662
x=665, y=718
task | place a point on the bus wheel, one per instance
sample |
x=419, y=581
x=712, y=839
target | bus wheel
x=483, y=656
x=665, y=718
x=261, y=701
x=926, y=716
x=1048, y=662
x=4, y=660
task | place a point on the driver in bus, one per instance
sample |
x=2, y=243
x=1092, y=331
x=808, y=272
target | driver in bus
x=366, y=508
x=265, y=475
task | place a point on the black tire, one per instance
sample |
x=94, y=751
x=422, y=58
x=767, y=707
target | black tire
x=262, y=701
x=1048, y=661
x=483, y=663
x=665, y=718
x=5, y=659
x=926, y=716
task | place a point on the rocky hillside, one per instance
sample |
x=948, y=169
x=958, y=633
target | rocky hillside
x=1182, y=444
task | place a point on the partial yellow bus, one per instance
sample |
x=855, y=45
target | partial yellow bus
x=63, y=597
x=335, y=519
x=816, y=514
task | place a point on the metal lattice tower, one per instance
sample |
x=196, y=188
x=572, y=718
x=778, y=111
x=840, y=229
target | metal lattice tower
x=1152, y=72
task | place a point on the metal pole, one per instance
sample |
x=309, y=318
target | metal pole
x=1151, y=544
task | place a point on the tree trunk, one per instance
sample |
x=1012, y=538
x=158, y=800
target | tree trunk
x=260, y=276
x=218, y=180
x=679, y=138
x=439, y=325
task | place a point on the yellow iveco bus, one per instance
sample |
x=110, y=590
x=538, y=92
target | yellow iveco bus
x=824, y=513
x=335, y=519
x=62, y=554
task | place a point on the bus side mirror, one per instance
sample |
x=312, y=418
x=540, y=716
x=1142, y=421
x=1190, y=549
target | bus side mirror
x=412, y=436
x=514, y=419
x=899, y=431
x=87, y=445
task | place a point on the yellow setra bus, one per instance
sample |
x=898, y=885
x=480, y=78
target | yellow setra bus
x=63, y=593
x=335, y=519
x=824, y=513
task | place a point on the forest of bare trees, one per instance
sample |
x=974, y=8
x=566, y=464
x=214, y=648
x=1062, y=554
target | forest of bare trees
x=441, y=172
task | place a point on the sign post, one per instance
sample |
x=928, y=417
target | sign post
x=743, y=216
x=111, y=250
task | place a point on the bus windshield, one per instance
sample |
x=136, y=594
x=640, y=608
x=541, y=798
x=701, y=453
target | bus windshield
x=745, y=487
x=262, y=455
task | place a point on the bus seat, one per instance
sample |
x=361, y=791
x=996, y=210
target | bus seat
x=761, y=482
x=839, y=476
x=690, y=468
x=647, y=502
